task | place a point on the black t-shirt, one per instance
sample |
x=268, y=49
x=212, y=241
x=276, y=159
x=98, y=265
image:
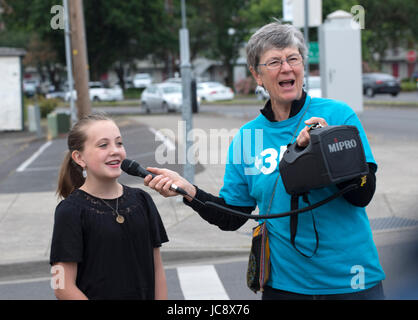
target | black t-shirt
x=115, y=261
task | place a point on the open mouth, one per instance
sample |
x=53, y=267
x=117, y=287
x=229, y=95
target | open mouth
x=113, y=163
x=287, y=83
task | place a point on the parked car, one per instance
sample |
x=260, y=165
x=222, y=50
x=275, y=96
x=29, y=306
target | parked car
x=142, y=80
x=214, y=91
x=56, y=95
x=162, y=96
x=261, y=93
x=174, y=80
x=314, y=89
x=415, y=77
x=380, y=83
x=166, y=96
x=98, y=92
x=30, y=87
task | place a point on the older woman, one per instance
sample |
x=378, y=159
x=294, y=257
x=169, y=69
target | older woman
x=345, y=265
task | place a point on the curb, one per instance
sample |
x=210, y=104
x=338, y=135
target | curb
x=42, y=269
x=390, y=104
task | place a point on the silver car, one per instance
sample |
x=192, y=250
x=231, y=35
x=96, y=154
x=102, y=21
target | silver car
x=141, y=80
x=163, y=97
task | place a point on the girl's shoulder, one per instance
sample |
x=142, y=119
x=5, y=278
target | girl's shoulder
x=70, y=204
x=139, y=197
x=131, y=191
x=69, y=211
x=136, y=194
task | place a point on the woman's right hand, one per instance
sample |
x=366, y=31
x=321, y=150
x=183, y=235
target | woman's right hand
x=164, y=179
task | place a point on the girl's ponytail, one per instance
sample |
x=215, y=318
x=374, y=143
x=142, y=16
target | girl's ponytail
x=70, y=177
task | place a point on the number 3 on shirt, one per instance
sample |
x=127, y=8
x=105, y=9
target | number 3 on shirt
x=270, y=158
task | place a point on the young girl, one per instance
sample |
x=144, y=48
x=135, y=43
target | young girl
x=106, y=235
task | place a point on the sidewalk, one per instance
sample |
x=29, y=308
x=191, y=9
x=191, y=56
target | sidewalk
x=26, y=219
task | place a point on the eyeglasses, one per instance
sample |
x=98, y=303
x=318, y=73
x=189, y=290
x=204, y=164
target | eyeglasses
x=292, y=61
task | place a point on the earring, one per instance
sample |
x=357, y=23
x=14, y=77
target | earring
x=84, y=173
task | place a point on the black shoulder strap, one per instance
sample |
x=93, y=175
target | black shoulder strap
x=294, y=205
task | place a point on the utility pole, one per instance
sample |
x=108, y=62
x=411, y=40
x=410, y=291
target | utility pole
x=306, y=35
x=169, y=8
x=69, y=61
x=79, y=54
x=186, y=78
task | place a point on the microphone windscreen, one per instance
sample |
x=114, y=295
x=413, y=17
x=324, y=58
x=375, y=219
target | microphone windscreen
x=130, y=167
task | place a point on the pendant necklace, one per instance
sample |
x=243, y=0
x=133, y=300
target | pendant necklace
x=119, y=218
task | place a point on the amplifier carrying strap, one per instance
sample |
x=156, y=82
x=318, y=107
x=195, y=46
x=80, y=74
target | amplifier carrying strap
x=294, y=205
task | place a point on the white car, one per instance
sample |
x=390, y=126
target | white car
x=261, y=93
x=29, y=87
x=56, y=95
x=141, y=80
x=214, y=91
x=98, y=92
x=314, y=89
x=165, y=97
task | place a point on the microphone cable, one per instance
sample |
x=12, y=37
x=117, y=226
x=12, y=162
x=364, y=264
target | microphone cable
x=131, y=167
x=233, y=212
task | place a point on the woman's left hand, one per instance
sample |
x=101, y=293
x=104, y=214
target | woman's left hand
x=304, y=137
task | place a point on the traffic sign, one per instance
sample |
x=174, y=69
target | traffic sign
x=411, y=56
x=313, y=53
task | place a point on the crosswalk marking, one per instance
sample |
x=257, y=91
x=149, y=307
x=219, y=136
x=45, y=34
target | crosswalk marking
x=201, y=283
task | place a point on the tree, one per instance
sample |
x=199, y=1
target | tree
x=41, y=55
x=388, y=24
x=120, y=31
x=117, y=31
x=28, y=26
x=218, y=30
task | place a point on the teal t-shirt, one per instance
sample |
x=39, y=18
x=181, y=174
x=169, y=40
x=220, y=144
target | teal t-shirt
x=347, y=259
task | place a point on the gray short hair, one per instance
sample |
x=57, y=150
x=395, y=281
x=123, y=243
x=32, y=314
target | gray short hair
x=274, y=35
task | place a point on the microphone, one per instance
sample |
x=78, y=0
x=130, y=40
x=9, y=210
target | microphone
x=133, y=168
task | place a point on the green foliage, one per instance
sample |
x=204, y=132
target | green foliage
x=122, y=31
x=46, y=106
x=262, y=12
x=409, y=85
x=218, y=28
x=389, y=23
x=132, y=93
x=118, y=32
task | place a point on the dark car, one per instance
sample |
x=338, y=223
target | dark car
x=374, y=83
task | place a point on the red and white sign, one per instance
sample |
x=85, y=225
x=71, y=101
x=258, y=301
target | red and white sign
x=411, y=56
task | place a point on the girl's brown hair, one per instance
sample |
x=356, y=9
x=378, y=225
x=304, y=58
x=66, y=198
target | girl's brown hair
x=70, y=175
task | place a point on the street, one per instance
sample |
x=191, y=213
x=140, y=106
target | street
x=394, y=124
x=395, y=236
x=185, y=83
x=401, y=97
x=41, y=173
x=226, y=281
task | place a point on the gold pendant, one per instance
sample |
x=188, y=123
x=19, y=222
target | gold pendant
x=120, y=219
